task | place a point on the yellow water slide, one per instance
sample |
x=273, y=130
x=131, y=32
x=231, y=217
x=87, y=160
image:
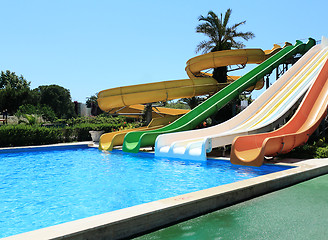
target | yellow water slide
x=134, y=111
x=226, y=58
x=161, y=116
x=199, y=83
x=112, y=139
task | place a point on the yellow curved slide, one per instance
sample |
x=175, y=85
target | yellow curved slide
x=228, y=57
x=109, y=140
x=157, y=112
x=198, y=84
x=154, y=92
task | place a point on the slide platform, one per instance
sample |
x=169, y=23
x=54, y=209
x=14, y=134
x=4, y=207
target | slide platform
x=267, y=112
x=133, y=141
x=251, y=150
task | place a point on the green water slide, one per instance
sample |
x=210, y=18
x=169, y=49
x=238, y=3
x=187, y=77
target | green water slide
x=134, y=140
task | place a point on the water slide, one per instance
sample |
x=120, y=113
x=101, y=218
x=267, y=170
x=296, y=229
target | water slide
x=119, y=100
x=267, y=112
x=200, y=83
x=112, y=139
x=135, y=111
x=161, y=116
x=250, y=150
x=134, y=140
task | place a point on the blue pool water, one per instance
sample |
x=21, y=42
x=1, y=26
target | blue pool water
x=40, y=188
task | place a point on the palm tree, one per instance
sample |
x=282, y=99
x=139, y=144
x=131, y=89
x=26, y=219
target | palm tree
x=192, y=102
x=221, y=37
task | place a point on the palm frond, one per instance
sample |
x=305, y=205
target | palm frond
x=221, y=37
x=205, y=46
x=227, y=17
x=212, y=15
x=238, y=45
x=237, y=25
x=216, y=24
x=201, y=18
x=205, y=28
x=246, y=36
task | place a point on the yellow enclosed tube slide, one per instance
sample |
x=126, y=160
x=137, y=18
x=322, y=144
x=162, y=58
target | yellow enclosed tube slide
x=154, y=92
x=198, y=84
x=228, y=57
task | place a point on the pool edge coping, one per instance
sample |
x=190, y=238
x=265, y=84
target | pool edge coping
x=143, y=218
x=57, y=145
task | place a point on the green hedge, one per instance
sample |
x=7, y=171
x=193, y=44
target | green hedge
x=80, y=132
x=97, y=120
x=25, y=135
x=317, y=149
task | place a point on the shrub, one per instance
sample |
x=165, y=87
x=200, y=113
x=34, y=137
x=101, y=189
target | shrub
x=44, y=111
x=26, y=109
x=78, y=130
x=321, y=152
x=24, y=135
x=47, y=113
x=301, y=152
x=317, y=149
x=81, y=131
x=97, y=120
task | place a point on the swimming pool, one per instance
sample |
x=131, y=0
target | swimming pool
x=44, y=187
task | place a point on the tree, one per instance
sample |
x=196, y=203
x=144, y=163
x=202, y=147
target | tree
x=93, y=104
x=44, y=111
x=14, y=91
x=221, y=37
x=10, y=79
x=58, y=98
x=192, y=102
x=180, y=104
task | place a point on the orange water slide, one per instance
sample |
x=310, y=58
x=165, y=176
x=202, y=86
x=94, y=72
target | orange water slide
x=250, y=150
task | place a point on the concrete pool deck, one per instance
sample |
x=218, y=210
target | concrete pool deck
x=140, y=219
x=296, y=212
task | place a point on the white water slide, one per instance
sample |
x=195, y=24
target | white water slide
x=266, y=113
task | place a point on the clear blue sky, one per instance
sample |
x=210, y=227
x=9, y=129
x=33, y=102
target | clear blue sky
x=88, y=46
